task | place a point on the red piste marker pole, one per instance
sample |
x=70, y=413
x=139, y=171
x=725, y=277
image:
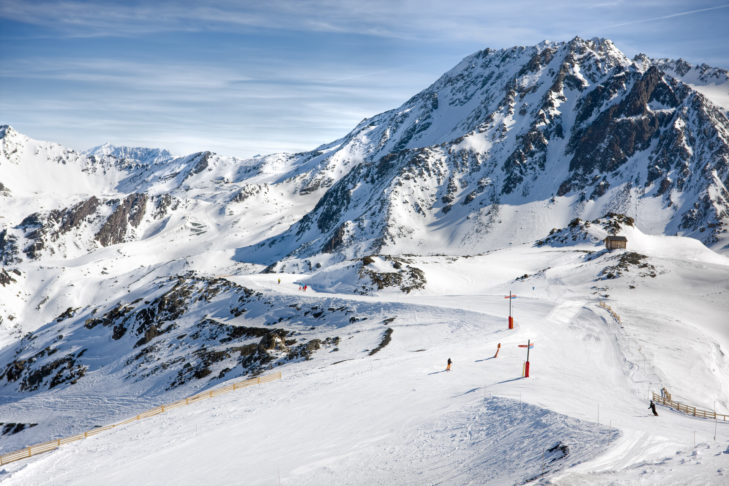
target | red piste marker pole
x=529, y=345
x=511, y=319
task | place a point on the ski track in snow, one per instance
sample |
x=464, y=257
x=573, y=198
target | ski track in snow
x=398, y=418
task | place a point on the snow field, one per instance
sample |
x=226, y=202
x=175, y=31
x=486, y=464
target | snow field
x=397, y=417
x=391, y=419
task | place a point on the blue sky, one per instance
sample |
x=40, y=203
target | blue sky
x=242, y=78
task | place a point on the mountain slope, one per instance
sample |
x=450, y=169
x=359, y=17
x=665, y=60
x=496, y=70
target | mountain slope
x=396, y=417
x=130, y=277
x=513, y=142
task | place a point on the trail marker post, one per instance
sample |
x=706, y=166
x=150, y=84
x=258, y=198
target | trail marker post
x=529, y=345
x=511, y=319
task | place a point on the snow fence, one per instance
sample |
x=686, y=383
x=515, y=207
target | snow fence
x=36, y=449
x=696, y=412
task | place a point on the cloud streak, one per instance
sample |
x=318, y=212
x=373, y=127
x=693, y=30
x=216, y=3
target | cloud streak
x=472, y=20
x=669, y=16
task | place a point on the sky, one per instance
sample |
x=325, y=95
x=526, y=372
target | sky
x=248, y=77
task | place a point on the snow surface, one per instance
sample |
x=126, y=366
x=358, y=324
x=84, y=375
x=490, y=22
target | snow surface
x=396, y=417
x=365, y=412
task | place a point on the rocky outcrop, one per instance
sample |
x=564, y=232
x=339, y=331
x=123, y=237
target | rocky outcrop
x=404, y=276
x=626, y=262
x=579, y=231
x=170, y=336
x=39, y=229
x=625, y=128
x=128, y=213
x=6, y=278
x=8, y=248
x=40, y=370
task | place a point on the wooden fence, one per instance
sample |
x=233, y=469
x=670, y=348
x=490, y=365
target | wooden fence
x=55, y=444
x=696, y=412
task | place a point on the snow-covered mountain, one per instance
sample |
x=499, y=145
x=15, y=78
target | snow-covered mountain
x=501, y=149
x=511, y=143
x=139, y=155
x=130, y=277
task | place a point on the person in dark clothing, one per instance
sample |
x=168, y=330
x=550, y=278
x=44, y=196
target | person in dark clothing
x=652, y=406
x=448, y=368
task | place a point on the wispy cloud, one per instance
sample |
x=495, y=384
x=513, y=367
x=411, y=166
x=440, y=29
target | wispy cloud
x=283, y=74
x=668, y=16
x=409, y=19
x=281, y=107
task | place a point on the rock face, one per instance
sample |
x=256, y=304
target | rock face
x=128, y=212
x=38, y=229
x=42, y=231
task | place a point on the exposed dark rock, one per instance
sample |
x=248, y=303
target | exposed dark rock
x=557, y=452
x=33, y=228
x=11, y=428
x=201, y=162
x=529, y=156
x=332, y=204
x=8, y=248
x=627, y=260
x=336, y=241
x=148, y=333
x=73, y=217
x=40, y=229
x=246, y=192
x=5, y=278
x=31, y=375
x=612, y=222
x=622, y=129
x=129, y=212
x=68, y=313
x=407, y=278
x=312, y=186
x=386, y=338
x=162, y=204
x=304, y=351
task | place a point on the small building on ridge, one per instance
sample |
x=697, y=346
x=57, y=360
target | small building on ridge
x=616, y=242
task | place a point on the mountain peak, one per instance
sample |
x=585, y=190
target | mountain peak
x=6, y=130
x=143, y=155
x=575, y=127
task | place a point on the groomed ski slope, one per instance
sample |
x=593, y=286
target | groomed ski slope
x=397, y=417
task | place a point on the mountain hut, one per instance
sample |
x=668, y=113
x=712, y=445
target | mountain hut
x=616, y=242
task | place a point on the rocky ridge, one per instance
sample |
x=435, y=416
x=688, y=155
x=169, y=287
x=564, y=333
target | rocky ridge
x=175, y=333
x=573, y=124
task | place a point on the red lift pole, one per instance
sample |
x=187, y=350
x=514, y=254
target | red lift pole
x=529, y=345
x=511, y=319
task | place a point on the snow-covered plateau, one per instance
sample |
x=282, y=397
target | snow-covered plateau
x=131, y=278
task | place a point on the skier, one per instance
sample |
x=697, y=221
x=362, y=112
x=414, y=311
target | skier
x=652, y=406
x=279, y=281
x=448, y=368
